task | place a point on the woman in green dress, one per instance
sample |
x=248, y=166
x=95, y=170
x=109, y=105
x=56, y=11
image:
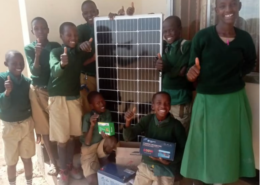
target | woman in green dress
x=219, y=146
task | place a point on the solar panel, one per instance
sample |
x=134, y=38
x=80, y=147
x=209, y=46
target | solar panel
x=126, y=48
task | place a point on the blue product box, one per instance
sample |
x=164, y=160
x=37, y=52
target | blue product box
x=112, y=174
x=157, y=148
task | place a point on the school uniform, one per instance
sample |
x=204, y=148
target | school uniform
x=88, y=73
x=219, y=146
x=64, y=98
x=169, y=130
x=38, y=90
x=17, y=124
x=176, y=56
x=91, y=153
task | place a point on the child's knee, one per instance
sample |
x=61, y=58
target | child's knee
x=92, y=179
x=28, y=160
x=62, y=145
x=110, y=144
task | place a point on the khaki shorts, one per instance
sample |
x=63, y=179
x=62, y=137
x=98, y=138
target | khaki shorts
x=40, y=113
x=91, y=84
x=18, y=140
x=144, y=176
x=183, y=114
x=65, y=118
x=89, y=158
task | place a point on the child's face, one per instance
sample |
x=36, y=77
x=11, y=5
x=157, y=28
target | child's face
x=89, y=12
x=161, y=106
x=171, y=31
x=70, y=36
x=227, y=10
x=40, y=30
x=15, y=64
x=98, y=104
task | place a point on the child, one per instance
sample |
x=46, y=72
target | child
x=64, y=101
x=88, y=73
x=173, y=65
x=15, y=113
x=161, y=126
x=95, y=147
x=37, y=54
x=219, y=146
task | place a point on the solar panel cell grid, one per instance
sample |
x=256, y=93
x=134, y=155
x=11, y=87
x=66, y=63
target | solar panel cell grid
x=126, y=49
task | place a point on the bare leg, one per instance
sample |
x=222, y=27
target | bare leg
x=11, y=172
x=28, y=170
x=53, y=169
x=62, y=152
x=92, y=179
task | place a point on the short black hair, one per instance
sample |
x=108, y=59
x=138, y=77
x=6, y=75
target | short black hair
x=88, y=2
x=175, y=19
x=217, y=2
x=161, y=93
x=63, y=25
x=92, y=95
x=12, y=53
x=39, y=19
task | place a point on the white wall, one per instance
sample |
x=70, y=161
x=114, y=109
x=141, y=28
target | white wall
x=252, y=91
x=11, y=30
x=59, y=11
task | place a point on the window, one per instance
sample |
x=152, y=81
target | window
x=198, y=14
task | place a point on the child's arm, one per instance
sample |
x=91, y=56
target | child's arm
x=249, y=56
x=33, y=58
x=5, y=97
x=89, y=134
x=130, y=133
x=58, y=64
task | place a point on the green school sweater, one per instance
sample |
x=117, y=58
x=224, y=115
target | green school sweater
x=174, y=58
x=16, y=106
x=65, y=81
x=169, y=130
x=222, y=66
x=96, y=138
x=40, y=76
x=85, y=32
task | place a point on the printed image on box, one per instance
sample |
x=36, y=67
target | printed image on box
x=157, y=148
x=107, y=127
x=113, y=174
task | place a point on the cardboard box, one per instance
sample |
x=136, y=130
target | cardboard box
x=107, y=127
x=128, y=154
x=157, y=148
x=113, y=174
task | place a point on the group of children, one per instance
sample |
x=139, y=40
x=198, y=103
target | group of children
x=62, y=91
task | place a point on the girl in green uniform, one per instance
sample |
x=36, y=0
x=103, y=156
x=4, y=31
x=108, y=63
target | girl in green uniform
x=219, y=146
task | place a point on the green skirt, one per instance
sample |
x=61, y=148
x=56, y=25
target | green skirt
x=219, y=146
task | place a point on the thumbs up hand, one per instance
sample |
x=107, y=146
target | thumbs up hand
x=64, y=58
x=86, y=46
x=8, y=86
x=38, y=48
x=130, y=10
x=159, y=63
x=129, y=115
x=93, y=119
x=121, y=11
x=194, y=71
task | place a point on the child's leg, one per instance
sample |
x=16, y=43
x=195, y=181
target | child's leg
x=62, y=153
x=11, y=172
x=143, y=175
x=105, y=148
x=164, y=181
x=53, y=170
x=27, y=147
x=28, y=170
x=70, y=151
x=90, y=163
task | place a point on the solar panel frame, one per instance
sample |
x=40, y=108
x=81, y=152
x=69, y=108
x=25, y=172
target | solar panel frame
x=112, y=30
